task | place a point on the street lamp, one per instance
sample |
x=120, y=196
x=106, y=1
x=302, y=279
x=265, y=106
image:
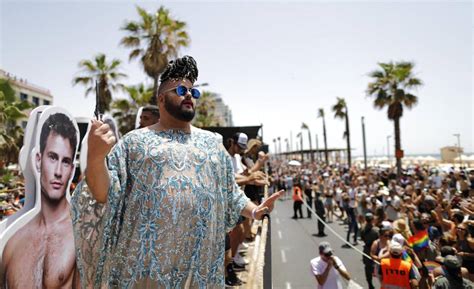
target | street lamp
x=363, y=139
x=201, y=84
x=388, y=148
x=279, y=146
x=458, y=135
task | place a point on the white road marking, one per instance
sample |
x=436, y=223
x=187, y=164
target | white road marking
x=283, y=256
x=279, y=234
x=288, y=285
x=277, y=221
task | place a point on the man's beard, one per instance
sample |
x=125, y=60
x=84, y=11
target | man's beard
x=178, y=112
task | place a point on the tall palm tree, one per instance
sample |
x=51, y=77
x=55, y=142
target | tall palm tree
x=125, y=110
x=341, y=111
x=305, y=126
x=321, y=115
x=155, y=38
x=391, y=88
x=106, y=73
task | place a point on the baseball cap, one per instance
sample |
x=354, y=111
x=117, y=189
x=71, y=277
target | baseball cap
x=398, y=238
x=325, y=248
x=241, y=140
x=395, y=248
x=452, y=262
x=386, y=226
x=369, y=216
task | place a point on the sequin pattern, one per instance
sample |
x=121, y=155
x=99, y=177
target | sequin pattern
x=172, y=197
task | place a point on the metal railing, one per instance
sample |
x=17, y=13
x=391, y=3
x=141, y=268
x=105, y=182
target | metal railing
x=260, y=271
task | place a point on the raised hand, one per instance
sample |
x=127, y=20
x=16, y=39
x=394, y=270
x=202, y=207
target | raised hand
x=100, y=141
x=267, y=205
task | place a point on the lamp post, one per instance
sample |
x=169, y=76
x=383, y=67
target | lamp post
x=363, y=140
x=279, y=147
x=458, y=135
x=388, y=148
x=318, y=154
x=275, y=147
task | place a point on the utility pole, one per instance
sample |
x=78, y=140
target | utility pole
x=388, y=148
x=363, y=139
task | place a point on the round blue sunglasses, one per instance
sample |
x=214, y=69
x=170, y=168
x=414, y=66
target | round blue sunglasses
x=182, y=90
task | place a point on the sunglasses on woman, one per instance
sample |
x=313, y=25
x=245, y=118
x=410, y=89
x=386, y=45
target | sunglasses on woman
x=182, y=90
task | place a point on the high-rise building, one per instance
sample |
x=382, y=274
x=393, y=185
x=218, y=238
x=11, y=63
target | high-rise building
x=222, y=112
x=30, y=92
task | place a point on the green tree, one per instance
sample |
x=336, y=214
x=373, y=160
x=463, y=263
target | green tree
x=125, y=110
x=205, y=110
x=321, y=115
x=11, y=134
x=390, y=88
x=155, y=38
x=340, y=111
x=107, y=74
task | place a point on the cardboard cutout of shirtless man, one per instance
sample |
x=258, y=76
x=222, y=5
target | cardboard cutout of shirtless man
x=42, y=253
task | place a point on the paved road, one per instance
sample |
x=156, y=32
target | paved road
x=293, y=246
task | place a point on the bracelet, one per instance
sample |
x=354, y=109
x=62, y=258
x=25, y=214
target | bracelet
x=253, y=213
x=337, y=268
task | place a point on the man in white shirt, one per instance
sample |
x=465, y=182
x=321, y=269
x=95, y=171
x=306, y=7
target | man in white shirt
x=328, y=268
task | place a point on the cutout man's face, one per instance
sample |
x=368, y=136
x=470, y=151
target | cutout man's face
x=55, y=165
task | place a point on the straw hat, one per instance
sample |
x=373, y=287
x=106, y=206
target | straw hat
x=400, y=226
x=252, y=143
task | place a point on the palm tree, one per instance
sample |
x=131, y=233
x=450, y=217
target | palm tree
x=205, y=110
x=125, y=110
x=155, y=37
x=305, y=126
x=107, y=75
x=321, y=115
x=340, y=111
x=11, y=134
x=391, y=88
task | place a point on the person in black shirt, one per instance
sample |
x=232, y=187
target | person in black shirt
x=369, y=234
x=319, y=206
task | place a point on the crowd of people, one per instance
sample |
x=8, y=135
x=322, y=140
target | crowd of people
x=424, y=218
x=168, y=193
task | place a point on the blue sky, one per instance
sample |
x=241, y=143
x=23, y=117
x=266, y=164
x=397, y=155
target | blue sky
x=274, y=63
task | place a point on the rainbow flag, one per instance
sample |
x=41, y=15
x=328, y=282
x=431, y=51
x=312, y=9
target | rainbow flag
x=431, y=265
x=406, y=257
x=419, y=241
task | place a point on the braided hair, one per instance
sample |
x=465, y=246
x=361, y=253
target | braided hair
x=180, y=68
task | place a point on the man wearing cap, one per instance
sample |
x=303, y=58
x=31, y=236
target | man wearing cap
x=326, y=268
x=369, y=234
x=452, y=278
x=396, y=273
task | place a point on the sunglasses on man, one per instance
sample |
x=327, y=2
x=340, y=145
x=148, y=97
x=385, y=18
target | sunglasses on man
x=182, y=90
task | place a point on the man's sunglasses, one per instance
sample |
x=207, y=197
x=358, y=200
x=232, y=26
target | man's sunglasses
x=182, y=90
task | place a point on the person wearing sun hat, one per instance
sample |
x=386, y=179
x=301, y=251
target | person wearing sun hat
x=400, y=226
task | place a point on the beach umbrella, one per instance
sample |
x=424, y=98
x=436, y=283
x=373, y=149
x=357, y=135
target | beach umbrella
x=294, y=163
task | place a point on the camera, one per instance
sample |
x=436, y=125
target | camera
x=328, y=254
